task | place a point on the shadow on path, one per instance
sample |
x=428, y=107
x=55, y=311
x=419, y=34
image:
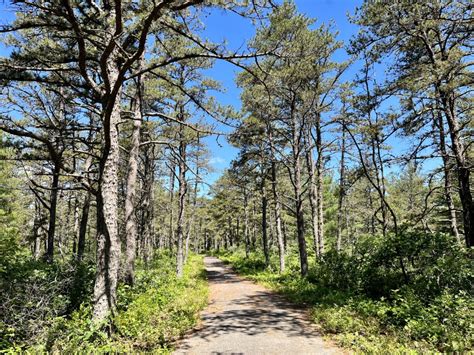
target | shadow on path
x=245, y=318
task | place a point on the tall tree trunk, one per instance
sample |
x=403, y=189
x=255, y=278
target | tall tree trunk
x=254, y=224
x=84, y=220
x=379, y=166
x=75, y=230
x=148, y=210
x=181, y=204
x=246, y=225
x=319, y=184
x=81, y=239
x=65, y=225
x=278, y=224
x=313, y=201
x=229, y=231
x=276, y=202
x=37, y=225
x=264, y=202
x=237, y=232
x=52, y=213
x=108, y=240
x=171, y=221
x=131, y=189
x=447, y=180
x=194, y=203
x=285, y=235
x=297, y=133
x=300, y=220
x=448, y=102
x=342, y=191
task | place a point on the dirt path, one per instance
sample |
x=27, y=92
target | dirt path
x=245, y=318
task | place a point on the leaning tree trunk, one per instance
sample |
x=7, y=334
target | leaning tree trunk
x=108, y=240
x=131, y=190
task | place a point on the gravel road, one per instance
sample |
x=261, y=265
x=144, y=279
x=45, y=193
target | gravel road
x=245, y=318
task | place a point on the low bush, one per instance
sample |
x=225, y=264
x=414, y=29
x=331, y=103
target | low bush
x=150, y=316
x=35, y=293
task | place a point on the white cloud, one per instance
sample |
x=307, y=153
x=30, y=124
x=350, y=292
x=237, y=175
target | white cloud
x=216, y=161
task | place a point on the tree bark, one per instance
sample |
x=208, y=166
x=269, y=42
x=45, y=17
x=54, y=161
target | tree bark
x=342, y=192
x=254, y=224
x=300, y=220
x=52, y=213
x=447, y=180
x=319, y=186
x=108, y=240
x=313, y=202
x=171, y=221
x=276, y=202
x=148, y=211
x=194, y=203
x=182, y=187
x=448, y=103
x=297, y=132
x=246, y=225
x=131, y=189
x=81, y=239
x=278, y=224
x=75, y=230
x=37, y=226
x=264, y=202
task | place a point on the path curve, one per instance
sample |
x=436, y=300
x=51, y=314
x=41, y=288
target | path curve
x=245, y=318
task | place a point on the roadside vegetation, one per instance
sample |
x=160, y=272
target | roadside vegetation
x=151, y=315
x=361, y=301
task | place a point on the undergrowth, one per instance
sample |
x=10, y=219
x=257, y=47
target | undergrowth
x=150, y=316
x=360, y=306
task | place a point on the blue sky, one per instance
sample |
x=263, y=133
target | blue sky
x=236, y=31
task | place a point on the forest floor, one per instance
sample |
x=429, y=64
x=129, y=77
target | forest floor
x=246, y=318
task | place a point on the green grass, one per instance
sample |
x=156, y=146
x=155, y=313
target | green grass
x=401, y=325
x=150, y=316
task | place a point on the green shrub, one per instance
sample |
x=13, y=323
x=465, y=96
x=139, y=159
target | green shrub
x=35, y=294
x=150, y=316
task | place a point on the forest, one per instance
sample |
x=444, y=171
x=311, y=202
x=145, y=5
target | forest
x=350, y=191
